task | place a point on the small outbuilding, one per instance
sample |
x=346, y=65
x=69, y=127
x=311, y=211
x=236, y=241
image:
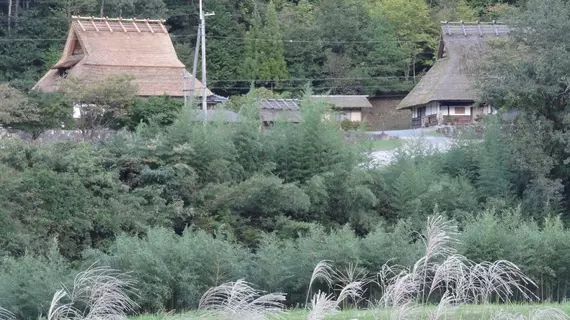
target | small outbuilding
x=349, y=107
x=272, y=110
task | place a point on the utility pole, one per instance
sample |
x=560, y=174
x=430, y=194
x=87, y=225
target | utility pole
x=203, y=42
x=195, y=65
x=9, y=14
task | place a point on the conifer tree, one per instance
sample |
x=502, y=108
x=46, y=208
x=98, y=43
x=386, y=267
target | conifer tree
x=264, y=51
x=253, y=48
x=274, y=63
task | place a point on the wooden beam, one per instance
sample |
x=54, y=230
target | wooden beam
x=135, y=24
x=479, y=29
x=162, y=26
x=149, y=26
x=108, y=25
x=81, y=25
x=120, y=20
x=94, y=25
x=112, y=19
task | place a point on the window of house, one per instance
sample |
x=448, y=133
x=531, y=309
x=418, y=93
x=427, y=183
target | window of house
x=342, y=116
x=459, y=110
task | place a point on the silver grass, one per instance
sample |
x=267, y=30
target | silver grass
x=351, y=274
x=444, y=307
x=98, y=293
x=439, y=241
x=323, y=271
x=240, y=301
x=452, y=276
x=398, y=289
x=323, y=304
x=501, y=279
x=6, y=315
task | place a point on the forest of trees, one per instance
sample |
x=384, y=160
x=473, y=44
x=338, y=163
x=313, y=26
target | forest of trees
x=342, y=46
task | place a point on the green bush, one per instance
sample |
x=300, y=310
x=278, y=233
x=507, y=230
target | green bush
x=29, y=282
x=173, y=271
x=348, y=125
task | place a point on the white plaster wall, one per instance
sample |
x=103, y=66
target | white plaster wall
x=452, y=111
x=432, y=108
x=356, y=116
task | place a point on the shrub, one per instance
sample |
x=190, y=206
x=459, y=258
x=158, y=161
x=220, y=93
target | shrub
x=29, y=282
x=173, y=271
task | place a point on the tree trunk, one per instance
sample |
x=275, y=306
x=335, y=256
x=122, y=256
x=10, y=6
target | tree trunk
x=414, y=67
x=102, y=8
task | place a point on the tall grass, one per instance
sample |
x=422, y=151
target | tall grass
x=240, y=301
x=6, y=315
x=442, y=273
x=98, y=293
x=441, y=277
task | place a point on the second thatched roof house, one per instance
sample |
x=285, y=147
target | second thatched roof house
x=446, y=94
x=97, y=48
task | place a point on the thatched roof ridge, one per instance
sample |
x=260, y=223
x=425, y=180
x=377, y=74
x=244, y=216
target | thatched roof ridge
x=100, y=47
x=451, y=78
x=345, y=101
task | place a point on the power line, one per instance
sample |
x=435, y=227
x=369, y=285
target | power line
x=244, y=39
x=313, y=79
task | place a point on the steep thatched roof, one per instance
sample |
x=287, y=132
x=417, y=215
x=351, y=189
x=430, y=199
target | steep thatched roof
x=450, y=78
x=346, y=101
x=99, y=47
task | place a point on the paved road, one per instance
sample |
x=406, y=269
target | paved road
x=381, y=158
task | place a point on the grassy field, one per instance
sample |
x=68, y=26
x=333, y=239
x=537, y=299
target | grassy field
x=470, y=312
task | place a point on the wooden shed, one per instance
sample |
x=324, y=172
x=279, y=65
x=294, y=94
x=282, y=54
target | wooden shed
x=272, y=110
x=347, y=106
x=446, y=94
x=100, y=47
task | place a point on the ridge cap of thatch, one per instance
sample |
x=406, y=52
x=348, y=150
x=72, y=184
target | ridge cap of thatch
x=106, y=24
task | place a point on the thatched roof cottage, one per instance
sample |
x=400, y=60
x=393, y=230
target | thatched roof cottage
x=100, y=47
x=446, y=93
